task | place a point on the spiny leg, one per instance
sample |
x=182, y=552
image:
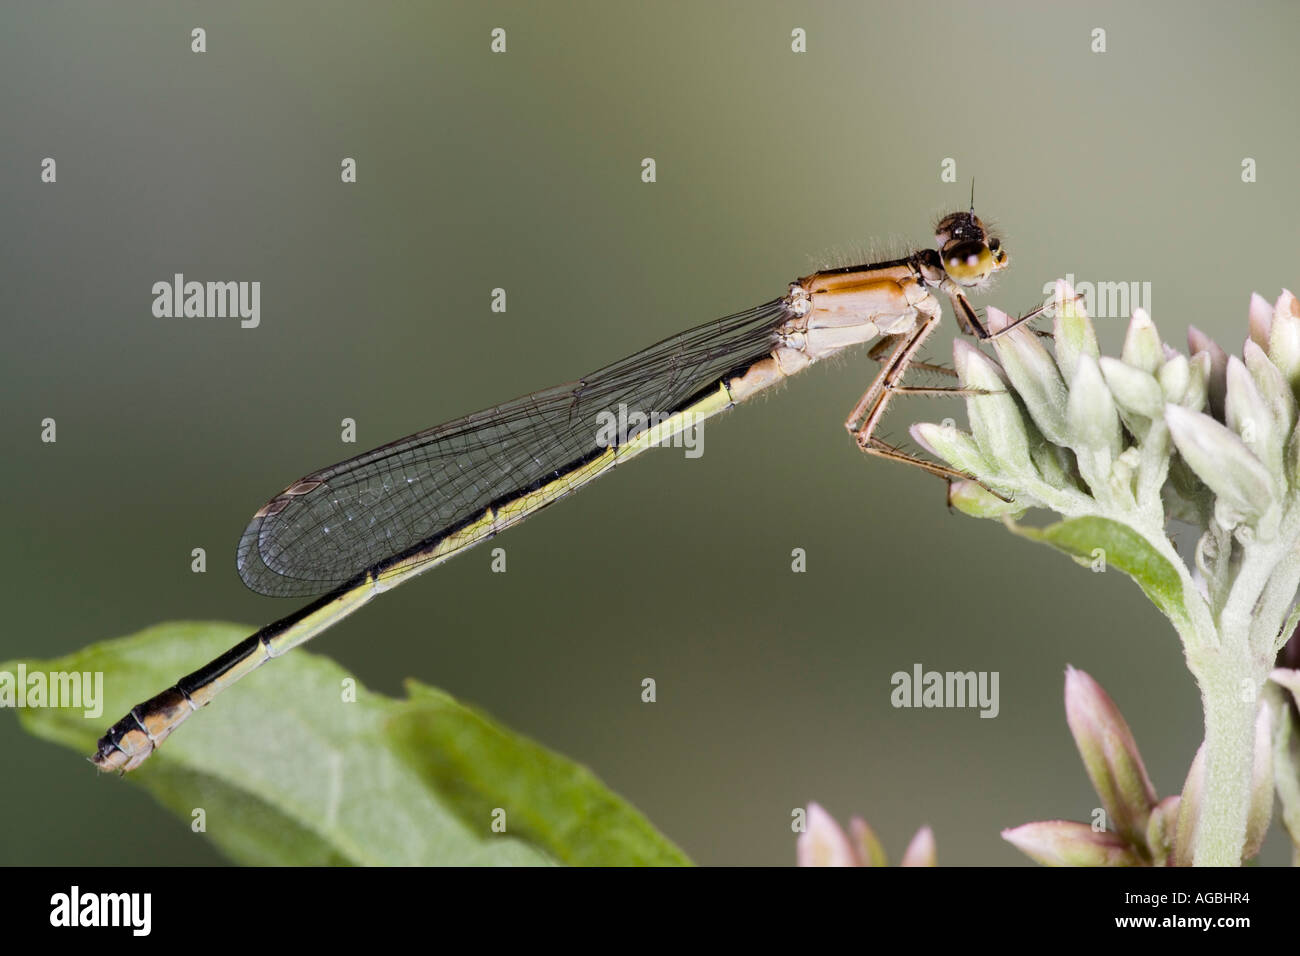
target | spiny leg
x=873, y=402
x=864, y=418
x=971, y=324
x=875, y=446
x=881, y=349
x=969, y=319
x=866, y=415
x=951, y=391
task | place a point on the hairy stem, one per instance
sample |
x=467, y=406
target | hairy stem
x=1230, y=687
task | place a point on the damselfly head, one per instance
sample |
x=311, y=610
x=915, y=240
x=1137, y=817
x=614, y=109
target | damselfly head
x=969, y=254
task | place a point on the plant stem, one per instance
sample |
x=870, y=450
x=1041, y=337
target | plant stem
x=1230, y=697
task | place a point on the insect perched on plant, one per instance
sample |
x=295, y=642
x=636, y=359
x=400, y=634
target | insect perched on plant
x=363, y=526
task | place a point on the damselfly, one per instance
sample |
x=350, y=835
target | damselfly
x=362, y=527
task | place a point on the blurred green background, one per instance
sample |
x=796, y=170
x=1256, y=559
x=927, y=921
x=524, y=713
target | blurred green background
x=522, y=171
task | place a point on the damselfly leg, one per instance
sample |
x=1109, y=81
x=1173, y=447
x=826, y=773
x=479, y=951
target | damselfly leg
x=898, y=358
x=866, y=415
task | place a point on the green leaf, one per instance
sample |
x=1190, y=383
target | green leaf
x=478, y=766
x=288, y=771
x=1122, y=548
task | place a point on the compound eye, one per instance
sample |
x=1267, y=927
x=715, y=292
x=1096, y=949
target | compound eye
x=969, y=262
x=995, y=245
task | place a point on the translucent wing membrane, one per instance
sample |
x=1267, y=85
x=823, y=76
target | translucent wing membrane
x=334, y=523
